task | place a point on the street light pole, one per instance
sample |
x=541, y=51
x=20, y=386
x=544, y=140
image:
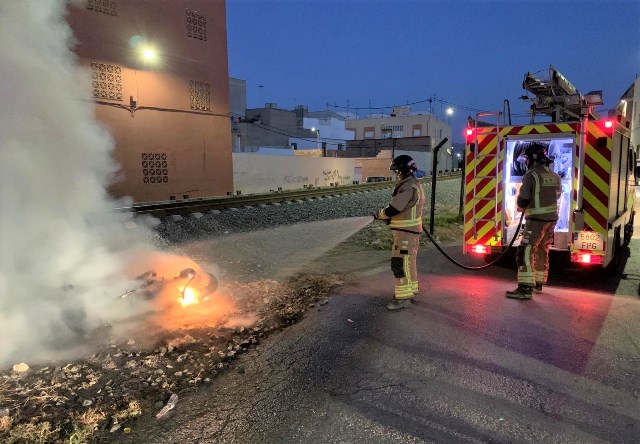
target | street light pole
x=433, y=183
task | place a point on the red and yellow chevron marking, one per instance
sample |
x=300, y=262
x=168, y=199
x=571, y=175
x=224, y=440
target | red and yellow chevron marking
x=596, y=182
x=483, y=190
x=547, y=128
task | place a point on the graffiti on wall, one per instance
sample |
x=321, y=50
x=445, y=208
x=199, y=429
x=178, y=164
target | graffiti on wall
x=293, y=178
x=334, y=175
x=258, y=179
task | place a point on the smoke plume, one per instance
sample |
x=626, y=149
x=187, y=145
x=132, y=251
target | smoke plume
x=64, y=250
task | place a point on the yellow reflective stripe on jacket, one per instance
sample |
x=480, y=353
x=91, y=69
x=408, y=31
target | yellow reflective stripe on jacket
x=541, y=210
x=404, y=223
x=414, y=221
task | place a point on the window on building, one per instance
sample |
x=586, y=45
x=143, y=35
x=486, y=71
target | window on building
x=106, y=81
x=369, y=133
x=394, y=131
x=355, y=132
x=107, y=7
x=196, y=25
x=155, y=168
x=416, y=131
x=199, y=95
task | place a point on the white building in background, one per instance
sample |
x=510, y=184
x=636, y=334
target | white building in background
x=328, y=128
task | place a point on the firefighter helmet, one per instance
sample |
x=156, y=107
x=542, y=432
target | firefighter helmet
x=536, y=152
x=404, y=164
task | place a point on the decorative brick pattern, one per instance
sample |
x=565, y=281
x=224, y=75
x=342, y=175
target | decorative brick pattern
x=106, y=81
x=196, y=25
x=155, y=168
x=199, y=95
x=104, y=6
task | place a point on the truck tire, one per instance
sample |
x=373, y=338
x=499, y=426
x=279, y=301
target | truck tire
x=613, y=269
x=628, y=231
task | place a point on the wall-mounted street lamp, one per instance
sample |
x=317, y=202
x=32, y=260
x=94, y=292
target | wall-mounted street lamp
x=149, y=55
x=145, y=52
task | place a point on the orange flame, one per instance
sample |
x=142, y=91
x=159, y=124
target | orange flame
x=189, y=296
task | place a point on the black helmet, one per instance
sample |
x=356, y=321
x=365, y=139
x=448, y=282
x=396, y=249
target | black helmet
x=404, y=164
x=536, y=152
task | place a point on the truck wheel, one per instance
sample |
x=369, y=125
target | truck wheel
x=613, y=269
x=628, y=231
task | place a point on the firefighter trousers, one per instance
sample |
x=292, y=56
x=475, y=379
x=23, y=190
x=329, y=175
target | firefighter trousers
x=403, y=263
x=532, y=256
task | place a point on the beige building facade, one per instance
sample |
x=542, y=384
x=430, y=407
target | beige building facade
x=402, y=124
x=160, y=82
x=399, y=126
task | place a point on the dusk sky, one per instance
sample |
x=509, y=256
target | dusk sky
x=469, y=53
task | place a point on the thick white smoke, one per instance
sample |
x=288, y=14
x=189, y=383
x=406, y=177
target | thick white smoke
x=64, y=251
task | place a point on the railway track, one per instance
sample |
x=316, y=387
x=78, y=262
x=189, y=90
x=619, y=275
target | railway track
x=202, y=205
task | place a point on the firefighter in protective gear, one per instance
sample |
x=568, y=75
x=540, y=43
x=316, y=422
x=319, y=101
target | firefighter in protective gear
x=404, y=217
x=538, y=196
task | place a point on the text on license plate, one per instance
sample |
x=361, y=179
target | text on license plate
x=588, y=240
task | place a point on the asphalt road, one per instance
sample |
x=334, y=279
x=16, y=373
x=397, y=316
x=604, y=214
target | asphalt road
x=464, y=364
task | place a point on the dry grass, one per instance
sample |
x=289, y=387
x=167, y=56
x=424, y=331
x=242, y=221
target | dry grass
x=30, y=433
x=84, y=425
x=133, y=410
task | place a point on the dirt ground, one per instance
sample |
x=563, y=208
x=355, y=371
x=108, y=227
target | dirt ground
x=83, y=400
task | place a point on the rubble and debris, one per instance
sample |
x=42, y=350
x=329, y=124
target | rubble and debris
x=167, y=408
x=115, y=385
x=21, y=368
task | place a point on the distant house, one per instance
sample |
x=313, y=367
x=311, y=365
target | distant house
x=400, y=132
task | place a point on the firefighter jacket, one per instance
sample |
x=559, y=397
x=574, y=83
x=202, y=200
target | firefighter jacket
x=408, y=203
x=539, y=193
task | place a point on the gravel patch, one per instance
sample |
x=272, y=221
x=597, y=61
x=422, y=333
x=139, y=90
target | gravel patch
x=256, y=218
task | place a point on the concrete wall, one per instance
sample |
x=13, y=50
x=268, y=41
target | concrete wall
x=373, y=167
x=379, y=166
x=165, y=146
x=253, y=173
x=276, y=127
x=237, y=96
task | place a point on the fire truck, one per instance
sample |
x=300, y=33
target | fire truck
x=592, y=155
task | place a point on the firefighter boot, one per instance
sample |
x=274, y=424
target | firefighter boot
x=398, y=304
x=522, y=292
x=537, y=288
x=415, y=288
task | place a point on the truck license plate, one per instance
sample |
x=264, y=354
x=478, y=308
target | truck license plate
x=588, y=240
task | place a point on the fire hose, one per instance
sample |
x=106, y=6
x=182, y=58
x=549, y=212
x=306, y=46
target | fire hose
x=482, y=267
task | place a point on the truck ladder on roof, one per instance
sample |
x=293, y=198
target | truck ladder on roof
x=555, y=97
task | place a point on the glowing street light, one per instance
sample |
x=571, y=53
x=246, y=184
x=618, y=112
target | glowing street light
x=317, y=131
x=149, y=54
x=449, y=111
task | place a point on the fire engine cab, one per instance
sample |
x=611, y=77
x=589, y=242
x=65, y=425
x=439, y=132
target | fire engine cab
x=592, y=155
